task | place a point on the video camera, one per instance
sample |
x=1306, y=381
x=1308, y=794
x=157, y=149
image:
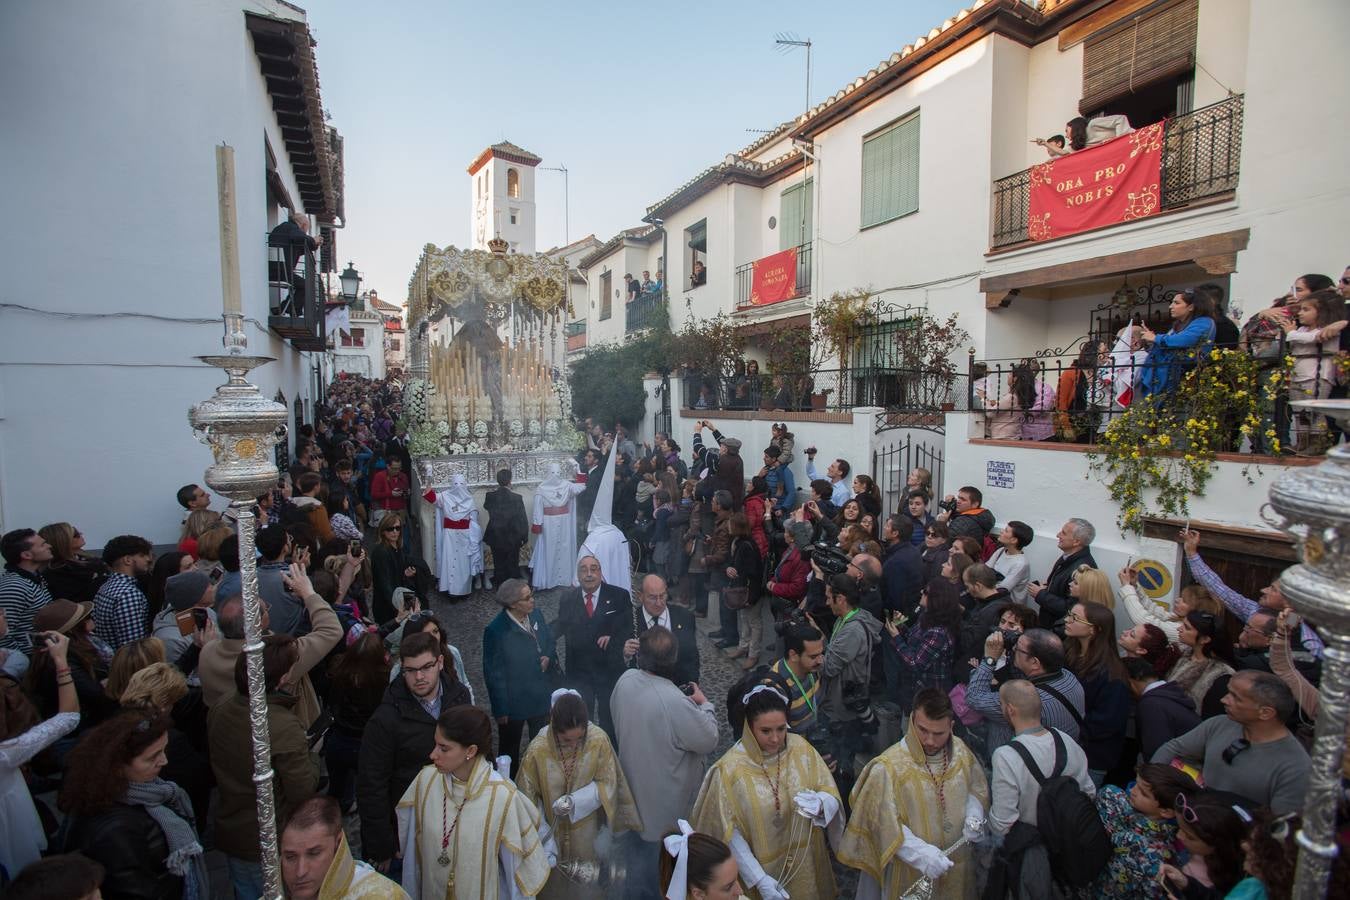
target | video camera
x=830, y=560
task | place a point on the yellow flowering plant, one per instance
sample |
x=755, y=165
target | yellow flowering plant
x=1163, y=447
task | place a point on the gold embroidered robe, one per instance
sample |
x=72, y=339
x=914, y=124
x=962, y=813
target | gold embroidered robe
x=541, y=779
x=354, y=880
x=737, y=796
x=894, y=790
x=496, y=837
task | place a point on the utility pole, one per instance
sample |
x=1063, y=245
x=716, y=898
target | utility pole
x=786, y=43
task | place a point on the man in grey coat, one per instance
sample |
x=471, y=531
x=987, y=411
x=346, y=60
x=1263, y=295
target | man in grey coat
x=664, y=737
x=846, y=704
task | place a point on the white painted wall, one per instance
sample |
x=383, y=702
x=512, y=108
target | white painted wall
x=367, y=360
x=946, y=238
x=492, y=206
x=1054, y=485
x=111, y=190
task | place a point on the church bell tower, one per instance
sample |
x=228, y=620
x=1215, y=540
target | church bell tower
x=503, y=197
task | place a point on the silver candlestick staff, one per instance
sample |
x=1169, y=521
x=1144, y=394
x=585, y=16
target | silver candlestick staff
x=1315, y=507
x=242, y=427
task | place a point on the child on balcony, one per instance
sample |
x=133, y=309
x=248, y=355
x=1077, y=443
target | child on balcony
x=1321, y=317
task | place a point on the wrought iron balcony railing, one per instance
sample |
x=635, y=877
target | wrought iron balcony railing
x=296, y=305
x=745, y=276
x=1202, y=153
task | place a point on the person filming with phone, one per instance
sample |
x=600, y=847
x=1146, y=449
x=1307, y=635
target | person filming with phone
x=188, y=601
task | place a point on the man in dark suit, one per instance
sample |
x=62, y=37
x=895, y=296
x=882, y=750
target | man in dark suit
x=656, y=611
x=1075, y=541
x=591, y=618
x=507, y=529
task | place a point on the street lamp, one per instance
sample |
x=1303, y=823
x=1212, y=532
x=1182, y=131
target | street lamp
x=351, y=283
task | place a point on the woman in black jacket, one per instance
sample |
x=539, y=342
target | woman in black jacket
x=1090, y=653
x=745, y=569
x=71, y=575
x=357, y=681
x=391, y=568
x=87, y=666
x=125, y=817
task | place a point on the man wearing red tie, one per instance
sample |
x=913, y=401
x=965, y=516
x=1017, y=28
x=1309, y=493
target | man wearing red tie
x=588, y=618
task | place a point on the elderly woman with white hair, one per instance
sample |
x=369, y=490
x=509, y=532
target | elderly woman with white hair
x=520, y=666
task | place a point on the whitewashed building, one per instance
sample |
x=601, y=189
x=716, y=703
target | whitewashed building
x=112, y=113
x=395, y=335
x=914, y=185
x=360, y=349
x=503, y=197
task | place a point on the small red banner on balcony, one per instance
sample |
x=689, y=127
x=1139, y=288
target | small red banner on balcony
x=1117, y=181
x=775, y=278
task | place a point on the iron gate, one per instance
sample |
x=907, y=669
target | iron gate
x=892, y=463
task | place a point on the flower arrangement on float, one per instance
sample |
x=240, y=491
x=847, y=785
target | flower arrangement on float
x=1161, y=451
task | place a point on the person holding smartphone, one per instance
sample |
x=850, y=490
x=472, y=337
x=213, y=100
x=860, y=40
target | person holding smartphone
x=188, y=601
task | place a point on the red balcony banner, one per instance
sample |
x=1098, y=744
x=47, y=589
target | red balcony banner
x=1114, y=182
x=775, y=278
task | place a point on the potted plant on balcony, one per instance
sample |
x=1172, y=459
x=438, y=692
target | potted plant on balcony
x=929, y=351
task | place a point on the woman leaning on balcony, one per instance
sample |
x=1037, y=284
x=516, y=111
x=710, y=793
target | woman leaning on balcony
x=1024, y=411
x=1172, y=354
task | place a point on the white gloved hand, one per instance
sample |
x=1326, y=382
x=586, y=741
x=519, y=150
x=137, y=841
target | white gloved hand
x=932, y=863
x=808, y=803
x=974, y=828
x=770, y=889
x=920, y=854
x=817, y=806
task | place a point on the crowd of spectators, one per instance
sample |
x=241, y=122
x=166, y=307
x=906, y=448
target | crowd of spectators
x=1146, y=361
x=1177, y=748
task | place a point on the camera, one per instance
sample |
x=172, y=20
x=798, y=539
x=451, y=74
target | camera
x=858, y=700
x=948, y=505
x=794, y=618
x=830, y=560
x=1010, y=639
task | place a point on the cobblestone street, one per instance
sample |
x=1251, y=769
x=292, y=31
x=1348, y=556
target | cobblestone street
x=466, y=620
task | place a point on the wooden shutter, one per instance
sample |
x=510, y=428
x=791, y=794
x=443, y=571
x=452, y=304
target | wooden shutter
x=794, y=222
x=890, y=172
x=1140, y=51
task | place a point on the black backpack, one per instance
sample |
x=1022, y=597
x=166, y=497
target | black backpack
x=1075, y=839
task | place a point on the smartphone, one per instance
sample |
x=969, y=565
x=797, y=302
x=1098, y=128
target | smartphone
x=687, y=688
x=409, y=601
x=354, y=548
x=199, y=619
x=217, y=573
x=185, y=622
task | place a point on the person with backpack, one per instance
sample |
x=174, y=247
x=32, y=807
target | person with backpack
x=1042, y=806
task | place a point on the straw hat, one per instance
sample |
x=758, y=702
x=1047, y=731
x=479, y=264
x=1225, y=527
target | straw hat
x=61, y=615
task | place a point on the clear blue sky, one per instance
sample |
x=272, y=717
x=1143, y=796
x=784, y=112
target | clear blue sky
x=634, y=99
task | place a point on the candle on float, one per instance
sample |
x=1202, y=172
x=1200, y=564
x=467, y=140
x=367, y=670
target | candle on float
x=229, y=230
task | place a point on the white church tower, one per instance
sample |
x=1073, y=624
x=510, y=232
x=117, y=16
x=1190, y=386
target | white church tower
x=503, y=197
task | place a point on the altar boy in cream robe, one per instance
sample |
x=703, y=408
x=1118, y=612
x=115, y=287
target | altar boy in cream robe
x=464, y=830
x=570, y=772
x=459, y=537
x=914, y=801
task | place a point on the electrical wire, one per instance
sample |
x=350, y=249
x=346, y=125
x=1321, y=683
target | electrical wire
x=177, y=320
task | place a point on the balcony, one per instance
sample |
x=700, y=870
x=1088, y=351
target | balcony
x=644, y=312
x=575, y=332
x=745, y=277
x=1201, y=157
x=294, y=298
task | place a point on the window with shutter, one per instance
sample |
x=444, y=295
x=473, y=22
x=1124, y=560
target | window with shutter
x=606, y=285
x=890, y=172
x=1154, y=46
x=794, y=216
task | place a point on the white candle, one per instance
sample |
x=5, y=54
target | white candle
x=229, y=231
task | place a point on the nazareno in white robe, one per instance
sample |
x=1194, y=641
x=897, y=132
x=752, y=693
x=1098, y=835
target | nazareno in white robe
x=604, y=540
x=459, y=537
x=553, y=562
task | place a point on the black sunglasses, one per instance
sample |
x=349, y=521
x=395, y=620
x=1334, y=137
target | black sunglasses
x=1231, y=752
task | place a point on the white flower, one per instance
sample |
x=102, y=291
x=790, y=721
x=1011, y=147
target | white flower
x=516, y=427
x=480, y=429
x=461, y=429
x=551, y=427
x=456, y=448
x=443, y=429
x=472, y=447
x=534, y=426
